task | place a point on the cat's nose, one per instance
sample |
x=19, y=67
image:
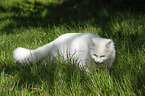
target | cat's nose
x=99, y=61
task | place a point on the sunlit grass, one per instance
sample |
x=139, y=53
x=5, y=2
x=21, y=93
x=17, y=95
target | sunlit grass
x=21, y=25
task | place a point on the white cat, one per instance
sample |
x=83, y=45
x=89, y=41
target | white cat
x=82, y=47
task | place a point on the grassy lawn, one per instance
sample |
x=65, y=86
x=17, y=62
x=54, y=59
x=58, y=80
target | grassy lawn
x=33, y=23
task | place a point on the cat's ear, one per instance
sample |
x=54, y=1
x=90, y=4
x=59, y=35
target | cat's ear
x=108, y=44
x=92, y=42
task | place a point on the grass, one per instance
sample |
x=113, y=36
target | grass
x=31, y=24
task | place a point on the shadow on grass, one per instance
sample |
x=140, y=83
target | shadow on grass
x=37, y=14
x=43, y=15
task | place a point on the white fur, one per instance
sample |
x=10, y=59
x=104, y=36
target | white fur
x=81, y=46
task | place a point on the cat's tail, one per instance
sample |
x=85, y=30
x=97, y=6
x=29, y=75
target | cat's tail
x=26, y=56
x=23, y=55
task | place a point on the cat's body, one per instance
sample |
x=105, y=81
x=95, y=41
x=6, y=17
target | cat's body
x=82, y=47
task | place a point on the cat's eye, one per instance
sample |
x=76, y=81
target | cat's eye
x=102, y=56
x=95, y=55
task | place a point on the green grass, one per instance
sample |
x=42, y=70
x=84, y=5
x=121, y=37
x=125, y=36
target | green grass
x=32, y=24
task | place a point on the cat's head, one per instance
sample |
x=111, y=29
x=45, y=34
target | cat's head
x=102, y=49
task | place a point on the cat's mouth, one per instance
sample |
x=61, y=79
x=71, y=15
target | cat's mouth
x=100, y=64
